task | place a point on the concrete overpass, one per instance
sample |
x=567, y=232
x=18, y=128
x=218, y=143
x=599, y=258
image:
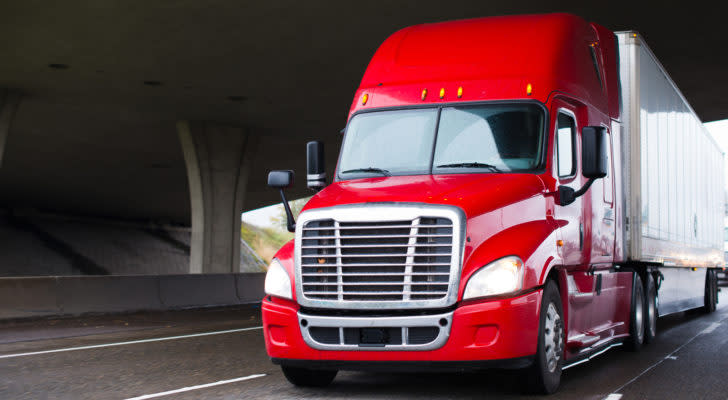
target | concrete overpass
x=173, y=112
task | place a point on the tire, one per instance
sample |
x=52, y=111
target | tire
x=636, y=315
x=308, y=377
x=545, y=374
x=711, y=291
x=651, y=313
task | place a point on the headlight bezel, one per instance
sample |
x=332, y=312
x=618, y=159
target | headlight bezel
x=480, y=284
x=278, y=281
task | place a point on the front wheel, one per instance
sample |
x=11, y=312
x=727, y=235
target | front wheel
x=308, y=377
x=545, y=374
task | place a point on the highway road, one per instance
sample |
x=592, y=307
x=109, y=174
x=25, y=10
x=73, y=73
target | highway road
x=219, y=354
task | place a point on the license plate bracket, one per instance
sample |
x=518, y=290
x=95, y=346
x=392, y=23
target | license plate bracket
x=373, y=337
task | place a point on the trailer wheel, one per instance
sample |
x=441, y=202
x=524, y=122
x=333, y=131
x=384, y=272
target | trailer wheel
x=711, y=291
x=650, y=309
x=636, y=316
x=545, y=374
x=308, y=377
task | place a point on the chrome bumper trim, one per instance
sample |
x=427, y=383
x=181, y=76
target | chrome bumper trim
x=376, y=322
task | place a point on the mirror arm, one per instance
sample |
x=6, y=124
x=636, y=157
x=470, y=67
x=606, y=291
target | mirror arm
x=290, y=222
x=567, y=195
x=584, y=188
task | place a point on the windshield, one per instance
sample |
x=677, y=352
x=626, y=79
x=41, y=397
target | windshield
x=492, y=138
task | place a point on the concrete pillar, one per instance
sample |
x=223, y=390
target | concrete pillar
x=218, y=162
x=9, y=101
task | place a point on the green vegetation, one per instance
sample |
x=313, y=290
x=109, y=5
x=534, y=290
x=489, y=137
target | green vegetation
x=266, y=241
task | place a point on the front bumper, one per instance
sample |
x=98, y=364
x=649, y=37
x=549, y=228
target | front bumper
x=502, y=330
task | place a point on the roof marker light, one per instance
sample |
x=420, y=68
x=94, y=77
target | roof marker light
x=442, y=92
x=364, y=99
x=529, y=89
x=424, y=94
x=460, y=92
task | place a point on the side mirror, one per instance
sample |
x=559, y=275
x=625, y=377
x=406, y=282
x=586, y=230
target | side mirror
x=594, y=162
x=315, y=165
x=594, y=158
x=282, y=179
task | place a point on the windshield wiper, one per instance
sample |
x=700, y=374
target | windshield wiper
x=368, y=169
x=470, y=165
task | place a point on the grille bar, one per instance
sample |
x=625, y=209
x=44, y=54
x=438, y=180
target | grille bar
x=377, y=293
x=384, y=226
x=376, y=255
x=374, y=236
x=370, y=265
x=375, y=246
x=376, y=274
x=374, y=284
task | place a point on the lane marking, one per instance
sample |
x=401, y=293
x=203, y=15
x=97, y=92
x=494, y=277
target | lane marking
x=98, y=346
x=709, y=329
x=613, y=396
x=671, y=358
x=189, y=388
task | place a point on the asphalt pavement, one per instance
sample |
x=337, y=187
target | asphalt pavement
x=220, y=354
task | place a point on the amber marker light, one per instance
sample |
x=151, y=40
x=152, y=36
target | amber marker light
x=424, y=94
x=364, y=99
x=559, y=242
x=529, y=89
x=460, y=92
x=442, y=92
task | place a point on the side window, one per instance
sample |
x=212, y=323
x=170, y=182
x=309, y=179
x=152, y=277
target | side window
x=565, y=139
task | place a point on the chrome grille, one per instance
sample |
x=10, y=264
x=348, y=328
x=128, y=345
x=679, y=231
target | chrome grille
x=375, y=261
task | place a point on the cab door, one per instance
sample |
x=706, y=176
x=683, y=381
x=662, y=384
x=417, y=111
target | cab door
x=603, y=213
x=574, y=230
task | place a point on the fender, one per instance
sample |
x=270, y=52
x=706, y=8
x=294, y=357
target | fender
x=534, y=242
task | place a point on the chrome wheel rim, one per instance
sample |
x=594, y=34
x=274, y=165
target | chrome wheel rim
x=553, y=338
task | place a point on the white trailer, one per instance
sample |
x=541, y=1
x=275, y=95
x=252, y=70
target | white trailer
x=673, y=180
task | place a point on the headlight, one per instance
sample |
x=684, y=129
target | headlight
x=277, y=281
x=499, y=277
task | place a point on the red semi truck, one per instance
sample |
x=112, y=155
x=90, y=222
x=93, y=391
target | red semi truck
x=511, y=192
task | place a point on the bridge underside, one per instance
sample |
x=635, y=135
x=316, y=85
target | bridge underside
x=170, y=114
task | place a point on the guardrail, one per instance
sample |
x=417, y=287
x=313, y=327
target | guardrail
x=73, y=295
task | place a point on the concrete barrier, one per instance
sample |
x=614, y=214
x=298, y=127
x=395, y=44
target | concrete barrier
x=249, y=287
x=184, y=291
x=28, y=297
x=75, y=295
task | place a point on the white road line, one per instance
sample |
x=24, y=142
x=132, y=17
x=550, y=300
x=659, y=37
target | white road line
x=709, y=329
x=187, y=389
x=98, y=346
x=613, y=396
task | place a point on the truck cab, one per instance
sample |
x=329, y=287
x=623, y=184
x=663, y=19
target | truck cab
x=474, y=218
